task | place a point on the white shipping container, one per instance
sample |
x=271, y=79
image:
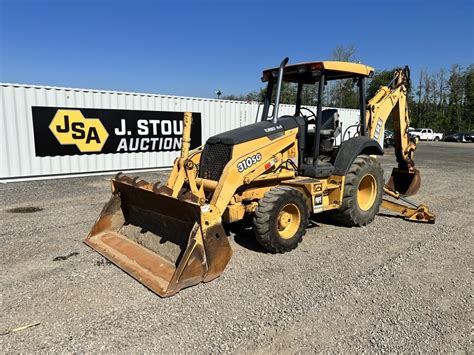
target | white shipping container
x=18, y=158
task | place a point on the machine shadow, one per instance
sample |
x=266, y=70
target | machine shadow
x=382, y=214
x=243, y=233
x=325, y=218
x=246, y=239
x=244, y=236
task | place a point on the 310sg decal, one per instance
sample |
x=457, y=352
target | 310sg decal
x=248, y=162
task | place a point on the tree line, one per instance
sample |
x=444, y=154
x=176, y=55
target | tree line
x=442, y=100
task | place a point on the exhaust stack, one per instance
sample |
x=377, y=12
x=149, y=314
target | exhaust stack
x=279, y=83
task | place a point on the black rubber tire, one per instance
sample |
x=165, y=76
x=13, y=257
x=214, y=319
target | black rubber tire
x=436, y=139
x=350, y=214
x=265, y=221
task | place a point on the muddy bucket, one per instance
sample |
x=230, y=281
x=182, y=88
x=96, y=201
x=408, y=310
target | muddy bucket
x=158, y=239
x=404, y=182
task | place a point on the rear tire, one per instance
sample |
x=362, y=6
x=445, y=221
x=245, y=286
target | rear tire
x=281, y=219
x=436, y=139
x=363, y=192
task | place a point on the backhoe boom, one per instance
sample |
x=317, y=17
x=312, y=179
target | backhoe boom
x=391, y=101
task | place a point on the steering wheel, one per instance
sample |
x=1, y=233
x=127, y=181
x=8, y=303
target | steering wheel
x=312, y=114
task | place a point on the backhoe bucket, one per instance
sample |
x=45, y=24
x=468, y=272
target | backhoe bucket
x=158, y=239
x=406, y=183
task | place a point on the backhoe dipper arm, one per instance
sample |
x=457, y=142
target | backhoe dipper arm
x=391, y=100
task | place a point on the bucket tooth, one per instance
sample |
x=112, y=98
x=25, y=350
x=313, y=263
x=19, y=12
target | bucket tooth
x=163, y=190
x=135, y=180
x=156, y=186
x=188, y=196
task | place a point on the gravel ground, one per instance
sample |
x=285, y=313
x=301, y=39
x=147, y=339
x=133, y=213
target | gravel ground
x=391, y=286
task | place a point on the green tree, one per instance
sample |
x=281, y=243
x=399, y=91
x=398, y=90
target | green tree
x=257, y=95
x=380, y=78
x=343, y=93
x=290, y=90
x=456, y=84
x=469, y=100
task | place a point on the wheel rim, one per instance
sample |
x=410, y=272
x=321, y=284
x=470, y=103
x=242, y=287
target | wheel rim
x=289, y=220
x=366, y=192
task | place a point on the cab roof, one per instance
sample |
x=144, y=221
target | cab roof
x=309, y=72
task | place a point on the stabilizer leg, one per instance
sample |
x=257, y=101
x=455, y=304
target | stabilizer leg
x=409, y=210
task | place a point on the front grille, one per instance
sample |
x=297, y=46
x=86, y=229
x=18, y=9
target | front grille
x=214, y=158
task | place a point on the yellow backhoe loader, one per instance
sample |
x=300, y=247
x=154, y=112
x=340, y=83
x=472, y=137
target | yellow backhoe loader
x=277, y=171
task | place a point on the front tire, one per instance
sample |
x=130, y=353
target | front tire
x=281, y=219
x=363, y=192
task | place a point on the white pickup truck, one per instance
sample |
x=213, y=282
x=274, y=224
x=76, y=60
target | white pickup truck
x=425, y=134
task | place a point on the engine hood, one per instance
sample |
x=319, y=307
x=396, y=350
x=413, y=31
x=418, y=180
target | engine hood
x=256, y=130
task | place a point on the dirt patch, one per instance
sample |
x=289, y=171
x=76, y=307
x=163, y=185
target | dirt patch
x=28, y=209
x=65, y=257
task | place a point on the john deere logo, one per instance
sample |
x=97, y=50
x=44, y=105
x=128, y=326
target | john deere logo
x=71, y=127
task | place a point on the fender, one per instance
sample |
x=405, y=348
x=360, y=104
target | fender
x=350, y=149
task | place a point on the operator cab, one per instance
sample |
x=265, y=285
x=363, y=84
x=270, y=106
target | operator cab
x=321, y=128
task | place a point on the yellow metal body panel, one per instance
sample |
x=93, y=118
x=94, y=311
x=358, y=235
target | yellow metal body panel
x=271, y=154
x=322, y=194
x=348, y=67
x=333, y=68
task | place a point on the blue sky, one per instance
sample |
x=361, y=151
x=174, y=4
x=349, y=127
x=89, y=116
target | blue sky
x=193, y=48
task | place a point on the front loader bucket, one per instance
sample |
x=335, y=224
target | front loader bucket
x=158, y=239
x=406, y=183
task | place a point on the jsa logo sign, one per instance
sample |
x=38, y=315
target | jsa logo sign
x=71, y=127
x=63, y=131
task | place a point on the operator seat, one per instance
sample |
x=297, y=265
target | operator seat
x=330, y=129
x=330, y=123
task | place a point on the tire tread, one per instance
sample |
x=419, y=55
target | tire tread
x=348, y=214
x=263, y=222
